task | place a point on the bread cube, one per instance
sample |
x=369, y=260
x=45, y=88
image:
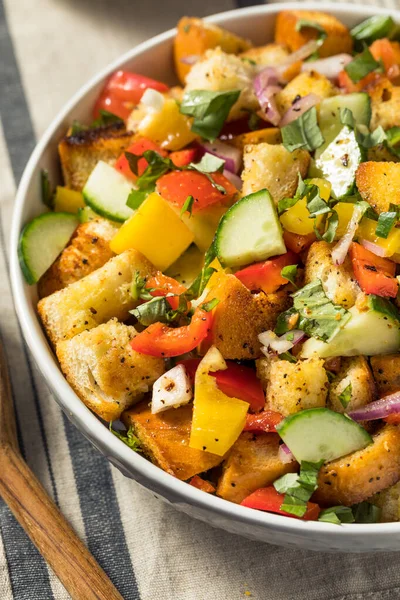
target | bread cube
x=270, y=55
x=379, y=184
x=354, y=371
x=310, y=82
x=386, y=370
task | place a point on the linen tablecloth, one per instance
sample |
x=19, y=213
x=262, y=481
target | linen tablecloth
x=48, y=49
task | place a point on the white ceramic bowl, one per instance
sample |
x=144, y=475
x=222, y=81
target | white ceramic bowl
x=153, y=58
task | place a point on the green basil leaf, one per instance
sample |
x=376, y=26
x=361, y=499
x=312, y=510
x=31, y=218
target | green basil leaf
x=298, y=489
x=77, y=127
x=286, y=203
x=374, y=28
x=157, y=166
x=138, y=288
x=345, y=396
x=290, y=273
x=209, y=163
x=336, y=515
x=304, y=23
x=369, y=140
x=200, y=283
x=304, y=132
x=137, y=197
x=331, y=227
x=187, y=206
x=365, y=512
x=362, y=65
x=288, y=356
x=208, y=306
x=347, y=118
x=47, y=192
x=106, y=118
x=284, y=321
x=393, y=135
x=319, y=317
x=315, y=204
x=158, y=310
x=129, y=438
x=209, y=109
x=386, y=221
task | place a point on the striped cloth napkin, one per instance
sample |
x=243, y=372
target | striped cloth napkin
x=48, y=49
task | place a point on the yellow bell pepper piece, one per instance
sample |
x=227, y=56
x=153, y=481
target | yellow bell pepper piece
x=156, y=231
x=168, y=127
x=366, y=231
x=67, y=200
x=345, y=212
x=297, y=219
x=217, y=419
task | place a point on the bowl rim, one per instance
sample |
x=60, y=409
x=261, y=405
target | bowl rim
x=139, y=467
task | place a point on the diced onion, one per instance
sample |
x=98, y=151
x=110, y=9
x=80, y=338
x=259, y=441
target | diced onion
x=234, y=179
x=171, y=390
x=330, y=67
x=299, y=107
x=270, y=341
x=266, y=86
x=375, y=248
x=300, y=54
x=379, y=409
x=285, y=454
x=339, y=252
x=231, y=155
x=153, y=99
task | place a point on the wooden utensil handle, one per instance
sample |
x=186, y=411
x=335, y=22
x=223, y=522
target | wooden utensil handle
x=62, y=549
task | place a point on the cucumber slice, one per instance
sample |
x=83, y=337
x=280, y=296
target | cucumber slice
x=319, y=433
x=329, y=115
x=106, y=192
x=42, y=240
x=249, y=231
x=339, y=162
x=371, y=332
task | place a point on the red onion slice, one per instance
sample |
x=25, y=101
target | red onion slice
x=231, y=155
x=339, y=252
x=379, y=409
x=191, y=59
x=285, y=454
x=330, y=67
x=299, y=107
x=378, y=250
x=300, y=54
x=266, y=87
x=234, y=179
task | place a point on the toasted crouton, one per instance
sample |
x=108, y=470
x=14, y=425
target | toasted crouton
x=273, y=167
x=195, y=36
x=338, y=281
x=379, y=184
x=164, y=438
x=338, y=38
x=263, y=367
x=95, y=299
x=253, y=462
x=88, y=250
x=269, y=55
x=305, y=83
x=381, y=153
x=354, y=371
x=80, y=153
x=219, y=72
x=270, y=135
x=296, y=386
x=389, y=502
x=254, y=313
x=386, y=370
x=385, y=104
x=105, y=372
x=360, y=475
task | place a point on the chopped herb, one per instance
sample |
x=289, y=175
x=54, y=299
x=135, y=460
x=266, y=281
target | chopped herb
x=285, y=321
x=298, y=489
x=158, y=310
x=331, y=227
x=106, y=118
x=336, y=515
x=308, y=23
x=129, y=438
x=77, y=127
x=249, y=60
x=345, y=396
x=137, y=197
x=157, y=166
x=208, y=164
x=290, y=273
x=208, y=306
x=199, y=284
x=304, y=132
x=187, y=206
x=315, y=204
x=386, y=221
x=365, y=512
x=288, y=356
x=138, y=288
x=362, y=65
x=209, y=109
x=47, y=192
x=371, y=29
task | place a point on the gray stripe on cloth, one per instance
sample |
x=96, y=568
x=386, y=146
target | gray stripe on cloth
x=101, y=513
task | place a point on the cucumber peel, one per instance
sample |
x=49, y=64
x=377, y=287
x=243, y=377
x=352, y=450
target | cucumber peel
x=106, y=192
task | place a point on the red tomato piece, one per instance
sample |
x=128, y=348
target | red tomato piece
x=266, y=276
x=138, y=148
x=383, y=50
x=374, y=274
x=181, y=158
x=296, y=242
x=160, y=340
x=263, y=422
x=163, y=285
x=237, y=381
x=123, y=91
x=202, y=484
x=394, y=418
x=270, y=500
x=175, y=187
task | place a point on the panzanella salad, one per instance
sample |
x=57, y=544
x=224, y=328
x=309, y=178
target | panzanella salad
x=218, y=272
